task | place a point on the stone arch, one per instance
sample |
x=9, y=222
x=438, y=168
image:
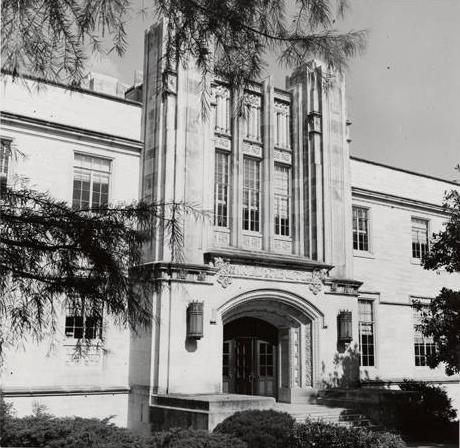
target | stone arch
x=298, y=322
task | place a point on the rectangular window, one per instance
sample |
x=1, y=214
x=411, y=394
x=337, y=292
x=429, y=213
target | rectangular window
x=366, y=332
x=82, y=321
x=282, y=203
x=251, y=194
x=5, y=150
x=419, y=237
x=90, y=182
x=423, y=345
x=360, y=229
x=221, y=189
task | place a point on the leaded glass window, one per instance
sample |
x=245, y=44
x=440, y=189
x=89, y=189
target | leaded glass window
x=366, y=332
x=419, y=237
x=251, y=194
x=360, y=229
x=221, y=189
x=90, y=182
x=282, y=205
x=424, y=346
x=83, y=320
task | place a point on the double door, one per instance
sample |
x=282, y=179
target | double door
x=249, y=366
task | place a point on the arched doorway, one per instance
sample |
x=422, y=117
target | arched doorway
x=265, y=329
x=250, y=357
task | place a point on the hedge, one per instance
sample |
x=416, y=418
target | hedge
x=319, y=434
x=260, y=429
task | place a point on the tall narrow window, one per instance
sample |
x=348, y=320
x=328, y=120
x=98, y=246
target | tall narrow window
x=221, y=189
x=424, y=346
x=419, y=237
x=366, y=332
x=251, y=194
x=360, y=228
x=82, y=320
x=90, y=182
x=282, y=198
x=5, y=150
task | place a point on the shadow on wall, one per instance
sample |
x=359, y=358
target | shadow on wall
x=346, y=370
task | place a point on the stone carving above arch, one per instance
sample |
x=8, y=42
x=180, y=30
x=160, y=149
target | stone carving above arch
x=225, y=271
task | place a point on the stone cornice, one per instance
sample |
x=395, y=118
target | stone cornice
x=398, y=200
x=49, y=391
x=265, y=259
x=13, y=119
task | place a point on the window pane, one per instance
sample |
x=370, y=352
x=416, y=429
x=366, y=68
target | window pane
x=282, y=199
x=221, y=189
x=360, y=227
x=251, y=194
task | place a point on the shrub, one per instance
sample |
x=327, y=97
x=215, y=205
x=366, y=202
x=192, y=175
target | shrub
x=260, y=429
x=319, y=434
x=187, y=438
x=44, y=430
x=428, y=415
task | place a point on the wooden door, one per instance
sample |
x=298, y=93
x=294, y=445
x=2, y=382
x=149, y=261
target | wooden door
x=265, y=359
x=244, y=366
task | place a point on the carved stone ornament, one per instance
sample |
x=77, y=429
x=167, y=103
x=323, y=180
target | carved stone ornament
x=282, y=156
x=224, y=271
x=317, y=278
x=171, y=83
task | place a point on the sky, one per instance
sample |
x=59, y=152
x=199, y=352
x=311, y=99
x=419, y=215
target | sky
x=403, y=93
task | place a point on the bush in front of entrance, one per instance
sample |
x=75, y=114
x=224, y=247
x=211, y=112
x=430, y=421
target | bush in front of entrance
x=44, y=430
x=188, y=438
x=260, y=429
x=318, y=434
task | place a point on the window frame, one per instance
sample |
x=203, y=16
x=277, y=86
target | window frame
x=288, y=197
x=5, y=161
x=228, y=157
x=259, y=164
x=417, y=260
x=374, y=332
x=91, y=172
x=427, y=341
x=362, y=252
x=75, y=310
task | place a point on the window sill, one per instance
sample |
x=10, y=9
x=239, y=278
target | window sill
x=252, y=233
x=416, y=261
x=221, y=229
x=363, y=254
x=283, y=238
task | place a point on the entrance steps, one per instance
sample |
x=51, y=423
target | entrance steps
x=336, y=415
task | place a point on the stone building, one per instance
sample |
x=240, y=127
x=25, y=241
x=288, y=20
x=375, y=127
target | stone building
x=302, y=277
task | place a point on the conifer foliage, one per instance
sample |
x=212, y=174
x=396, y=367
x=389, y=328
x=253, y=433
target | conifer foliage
x=51, y=38
x=442, y=319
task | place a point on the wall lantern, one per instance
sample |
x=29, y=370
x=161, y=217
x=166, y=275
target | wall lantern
x=344, y=327
x=195, y=320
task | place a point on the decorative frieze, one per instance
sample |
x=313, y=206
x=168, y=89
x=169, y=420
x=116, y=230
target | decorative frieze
x=252, y=150
x=282, y=156
x=223, y=143
x=282, y=246
x=226, y=271
x=221, y=239
x=252, y=242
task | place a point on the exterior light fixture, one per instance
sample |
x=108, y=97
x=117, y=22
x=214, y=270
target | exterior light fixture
x=344, y=327
x=195, y=320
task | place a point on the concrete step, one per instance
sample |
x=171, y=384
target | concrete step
x=337, y=415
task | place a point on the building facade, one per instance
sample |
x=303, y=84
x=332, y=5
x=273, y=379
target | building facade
x=301, y=276
x=82, y=147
